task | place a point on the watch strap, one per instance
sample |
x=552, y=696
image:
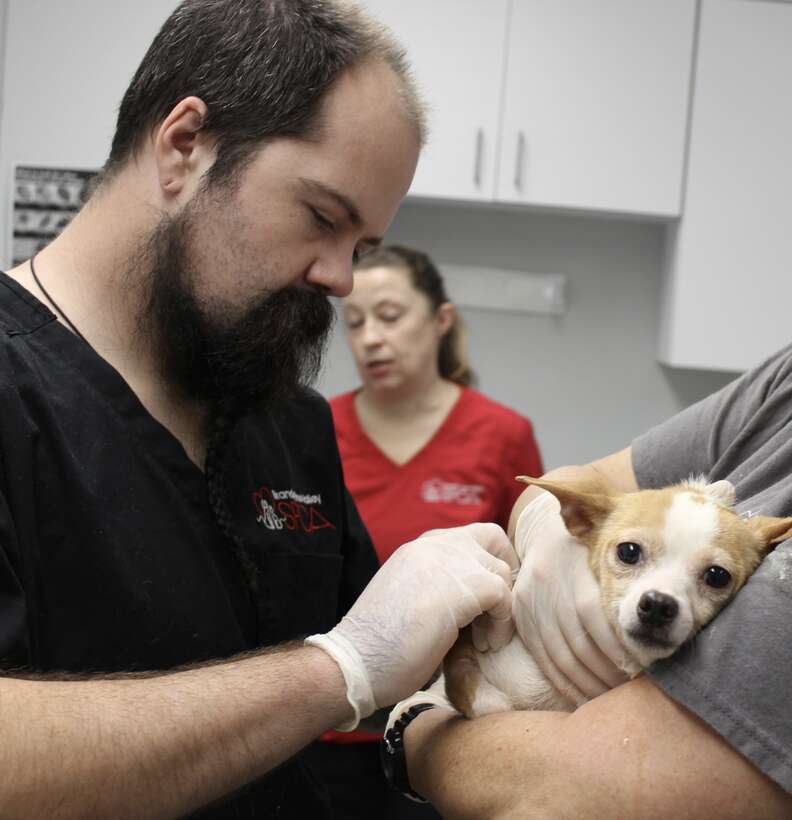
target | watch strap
x=394, y=762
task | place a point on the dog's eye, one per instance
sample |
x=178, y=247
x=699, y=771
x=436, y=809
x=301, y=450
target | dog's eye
x=717, y=577
x=628, y=552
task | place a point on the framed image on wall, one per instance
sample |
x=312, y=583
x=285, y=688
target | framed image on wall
x=45, y=201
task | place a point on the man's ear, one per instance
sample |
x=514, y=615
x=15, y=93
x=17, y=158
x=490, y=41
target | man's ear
x=182, y=149
x=771, y=530
x=581, y=510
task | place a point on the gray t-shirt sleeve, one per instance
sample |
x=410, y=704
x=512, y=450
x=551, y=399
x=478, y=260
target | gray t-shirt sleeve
x=735, y=675
x=726, y=435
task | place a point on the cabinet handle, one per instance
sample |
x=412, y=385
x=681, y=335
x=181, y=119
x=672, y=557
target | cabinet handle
x=518, y=173
x=479, y=157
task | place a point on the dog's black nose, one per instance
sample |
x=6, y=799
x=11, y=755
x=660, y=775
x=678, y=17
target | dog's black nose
x=657, y=608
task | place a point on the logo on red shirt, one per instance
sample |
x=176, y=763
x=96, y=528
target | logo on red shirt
x=436, y=491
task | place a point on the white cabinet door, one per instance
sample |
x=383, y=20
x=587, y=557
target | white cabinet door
x=596, y=104
x=456, y=48
x=729, y=287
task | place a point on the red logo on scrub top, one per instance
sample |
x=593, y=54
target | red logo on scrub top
x=289, y=510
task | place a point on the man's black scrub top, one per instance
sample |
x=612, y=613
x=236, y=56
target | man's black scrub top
x=110, y=558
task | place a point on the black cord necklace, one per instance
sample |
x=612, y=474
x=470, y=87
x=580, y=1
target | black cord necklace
x=54, y=303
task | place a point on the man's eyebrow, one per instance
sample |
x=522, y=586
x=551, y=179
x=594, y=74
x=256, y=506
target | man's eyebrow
x=344, y=201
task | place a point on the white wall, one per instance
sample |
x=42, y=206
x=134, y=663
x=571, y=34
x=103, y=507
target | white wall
x=67, y=65
x=589, y=380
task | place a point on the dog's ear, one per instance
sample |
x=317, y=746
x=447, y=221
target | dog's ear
x=771, y=530
x=582, y=510
x=722, y=492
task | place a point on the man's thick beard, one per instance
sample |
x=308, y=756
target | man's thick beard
x=260, y=358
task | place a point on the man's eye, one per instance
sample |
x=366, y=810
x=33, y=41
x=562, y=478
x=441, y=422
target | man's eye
x=321, y=220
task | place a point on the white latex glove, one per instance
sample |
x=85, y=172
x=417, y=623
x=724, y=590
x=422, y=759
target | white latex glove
x=408, y=617
x=557, y=606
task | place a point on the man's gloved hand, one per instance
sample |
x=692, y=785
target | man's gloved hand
x=407, y=618
x=557, y=606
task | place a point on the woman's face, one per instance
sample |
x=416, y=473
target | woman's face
x=392, y=330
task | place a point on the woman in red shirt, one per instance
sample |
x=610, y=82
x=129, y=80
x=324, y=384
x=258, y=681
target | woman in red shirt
x=421, y=449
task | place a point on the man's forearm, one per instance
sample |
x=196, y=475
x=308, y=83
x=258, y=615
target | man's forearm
x=632, y=754
x=162, y=746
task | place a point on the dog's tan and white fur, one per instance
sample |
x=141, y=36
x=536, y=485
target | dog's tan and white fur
x=666, y=561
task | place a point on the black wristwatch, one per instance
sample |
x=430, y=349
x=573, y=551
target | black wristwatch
x=394, y=763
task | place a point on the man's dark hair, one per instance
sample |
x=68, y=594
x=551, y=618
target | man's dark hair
x=262, y=67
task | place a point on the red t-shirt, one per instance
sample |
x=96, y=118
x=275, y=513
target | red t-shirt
x=464, y=473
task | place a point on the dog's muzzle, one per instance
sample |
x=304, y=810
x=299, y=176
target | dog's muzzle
x=656, y=612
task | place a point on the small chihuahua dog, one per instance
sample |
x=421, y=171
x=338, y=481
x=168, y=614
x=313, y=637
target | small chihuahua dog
x=667, y=561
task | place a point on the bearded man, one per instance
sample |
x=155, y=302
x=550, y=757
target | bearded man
x=170, y=492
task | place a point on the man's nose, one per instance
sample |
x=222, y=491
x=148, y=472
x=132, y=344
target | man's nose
x=334, y=274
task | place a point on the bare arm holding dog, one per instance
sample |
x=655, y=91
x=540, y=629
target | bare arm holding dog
x=632, y=754
x=718, y=748
x=164, y=745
